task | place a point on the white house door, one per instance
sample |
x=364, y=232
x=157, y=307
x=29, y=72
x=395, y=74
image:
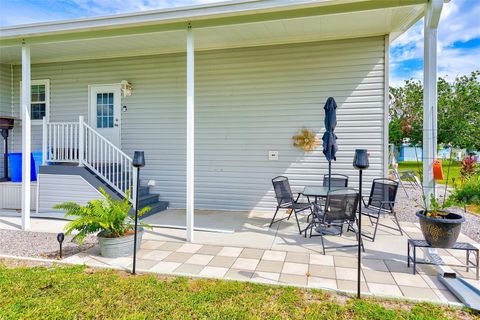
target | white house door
x=105, y=111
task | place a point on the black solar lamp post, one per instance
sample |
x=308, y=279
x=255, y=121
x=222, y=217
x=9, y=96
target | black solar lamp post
x=138, y=162
x=360, y=162
x=60, y=239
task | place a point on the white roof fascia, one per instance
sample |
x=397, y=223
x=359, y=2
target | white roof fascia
x=181, y=14
x=217, y=10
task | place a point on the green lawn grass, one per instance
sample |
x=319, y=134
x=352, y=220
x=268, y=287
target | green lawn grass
x=455, y=167
x=76, y=292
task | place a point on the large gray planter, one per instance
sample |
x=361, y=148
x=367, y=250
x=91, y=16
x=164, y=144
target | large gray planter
x=441, y=233
x=118, y=247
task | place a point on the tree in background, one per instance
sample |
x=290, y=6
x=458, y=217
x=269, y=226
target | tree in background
x=458, y=112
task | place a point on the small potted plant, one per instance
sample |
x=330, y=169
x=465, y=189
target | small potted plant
x=440, y=227
x=109, y=219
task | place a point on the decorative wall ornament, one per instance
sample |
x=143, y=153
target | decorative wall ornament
x=306, y=140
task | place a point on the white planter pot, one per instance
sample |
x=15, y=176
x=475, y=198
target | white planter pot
x=119, y=247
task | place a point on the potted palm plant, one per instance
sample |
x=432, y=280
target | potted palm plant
x=109, y=219
x=440, y=227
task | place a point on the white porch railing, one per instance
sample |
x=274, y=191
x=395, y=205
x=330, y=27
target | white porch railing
x=77, y=142
x=62, y=139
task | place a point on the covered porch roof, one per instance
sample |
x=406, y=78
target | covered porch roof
x=224, y=25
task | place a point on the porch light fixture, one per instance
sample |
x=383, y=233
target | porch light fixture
x=138, y=162
x=126, y=88
x=360, y=162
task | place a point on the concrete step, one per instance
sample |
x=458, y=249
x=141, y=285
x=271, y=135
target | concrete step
x=156, y=207
x=147, y=200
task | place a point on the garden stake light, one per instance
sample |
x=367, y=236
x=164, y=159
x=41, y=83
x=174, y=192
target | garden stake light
x=60, y=238
x=360, y=162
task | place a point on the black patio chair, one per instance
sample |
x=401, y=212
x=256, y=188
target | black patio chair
x=340, y=209
x=337, y=180
x=381, y=201
x=285, y=200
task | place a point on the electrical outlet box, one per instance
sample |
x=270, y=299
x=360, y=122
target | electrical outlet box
x=272, y=155
x=151, y=183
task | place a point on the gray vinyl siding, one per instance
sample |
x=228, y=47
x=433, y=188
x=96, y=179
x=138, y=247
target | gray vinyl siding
x=5, y=102
x=57, y=188
x=11, y=195
x=247, y=101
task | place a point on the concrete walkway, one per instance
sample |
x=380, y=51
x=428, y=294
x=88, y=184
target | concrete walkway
x=246, y=249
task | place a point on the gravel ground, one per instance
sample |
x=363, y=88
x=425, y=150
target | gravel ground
x=39, y=244
x=408, y=206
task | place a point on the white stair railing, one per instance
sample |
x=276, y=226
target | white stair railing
x=77, y=142
x=60, y=141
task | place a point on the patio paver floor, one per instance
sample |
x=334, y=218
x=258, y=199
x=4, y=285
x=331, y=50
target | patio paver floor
x=286, y=258
x=327, y=272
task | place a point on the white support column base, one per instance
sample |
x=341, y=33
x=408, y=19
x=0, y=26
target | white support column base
x=26, y=137
x=190, y=133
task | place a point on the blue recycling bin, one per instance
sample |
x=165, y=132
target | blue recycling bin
x=15, y=166
x=38, y=158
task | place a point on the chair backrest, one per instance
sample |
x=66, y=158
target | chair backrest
x=336, y=180
x=383, y=190
x=283, y=193
x=341, y=205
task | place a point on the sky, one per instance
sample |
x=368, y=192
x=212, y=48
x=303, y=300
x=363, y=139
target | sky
x=458, y=34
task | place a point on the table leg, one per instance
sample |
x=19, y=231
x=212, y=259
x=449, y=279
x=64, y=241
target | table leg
x=408, y=254
x=414, y=258
x=467, y=253
x=478, y=260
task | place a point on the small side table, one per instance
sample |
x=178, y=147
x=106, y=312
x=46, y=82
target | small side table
x=467, y=247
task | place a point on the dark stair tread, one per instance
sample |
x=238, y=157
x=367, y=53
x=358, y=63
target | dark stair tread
x=145, y=198
x=156, y=207
x=148, y=199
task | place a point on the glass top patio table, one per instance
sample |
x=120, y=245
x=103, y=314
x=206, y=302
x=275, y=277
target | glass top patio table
x=322, y=191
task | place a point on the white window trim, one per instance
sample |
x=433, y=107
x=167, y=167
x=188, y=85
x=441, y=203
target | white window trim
x=45, y=82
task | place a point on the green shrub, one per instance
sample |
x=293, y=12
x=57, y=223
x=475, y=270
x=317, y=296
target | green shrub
x=468, y=192
x=107, y=215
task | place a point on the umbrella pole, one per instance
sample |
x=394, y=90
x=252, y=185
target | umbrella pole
x=329, y=174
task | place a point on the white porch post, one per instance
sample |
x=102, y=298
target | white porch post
x=432, y=17
x=26, y=137
x=44, y=141
x=190, y=132
x=81, y=140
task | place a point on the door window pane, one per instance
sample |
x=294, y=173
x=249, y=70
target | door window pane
x=105, y=110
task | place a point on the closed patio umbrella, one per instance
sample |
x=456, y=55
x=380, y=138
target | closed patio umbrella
x=329, y=138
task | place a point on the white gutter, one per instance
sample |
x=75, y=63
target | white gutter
x=182, y=14
x=195, y=14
